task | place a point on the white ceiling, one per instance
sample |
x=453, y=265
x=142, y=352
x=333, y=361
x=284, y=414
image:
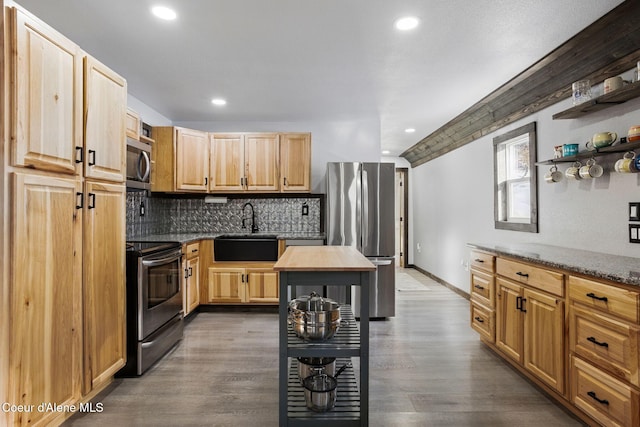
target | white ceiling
x=303, y=60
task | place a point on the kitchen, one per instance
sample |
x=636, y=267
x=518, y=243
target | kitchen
x=570, y=215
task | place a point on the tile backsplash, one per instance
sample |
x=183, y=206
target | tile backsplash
x=192, y=215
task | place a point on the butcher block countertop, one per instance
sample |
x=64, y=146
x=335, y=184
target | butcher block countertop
x=323, y=258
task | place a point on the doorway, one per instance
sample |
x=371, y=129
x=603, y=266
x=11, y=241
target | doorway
x=401, y=216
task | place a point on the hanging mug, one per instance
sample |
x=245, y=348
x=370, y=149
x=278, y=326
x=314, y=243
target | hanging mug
x=591, y=170
x=573, y=172
x=626, y=163
x=554, y=175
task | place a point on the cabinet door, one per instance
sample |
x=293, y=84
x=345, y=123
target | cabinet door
x=105, y=111
x=193, y=284
x=544, y=337
x=192, y=160
x=226, y=285
x=132, y=125
x=262, y=286
x=46, y=119
x=227, y=162
x=261, y=158
x=295, y=162
x=46, y=294
x=104, y=281
x=509, y=319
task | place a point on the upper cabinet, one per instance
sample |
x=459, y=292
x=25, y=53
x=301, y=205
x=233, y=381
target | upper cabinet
x=227, y=162
x=105, y=104
x=295, y=162
x=181, y=160
x=133, y=124
x=46, y=97
x=261, y=162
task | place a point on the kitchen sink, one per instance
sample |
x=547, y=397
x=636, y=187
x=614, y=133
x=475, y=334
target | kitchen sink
x=245, y=247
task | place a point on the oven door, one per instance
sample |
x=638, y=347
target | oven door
x=159, y=290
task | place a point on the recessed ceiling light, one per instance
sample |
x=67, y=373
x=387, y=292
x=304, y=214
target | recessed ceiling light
x=218, y=101
x=407, y=23
x=409, y=130
x=163, y=12
x=386, y=152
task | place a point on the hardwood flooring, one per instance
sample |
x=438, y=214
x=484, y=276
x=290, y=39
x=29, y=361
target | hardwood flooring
x=428, y=368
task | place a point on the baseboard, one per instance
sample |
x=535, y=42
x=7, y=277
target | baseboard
x=444, y=283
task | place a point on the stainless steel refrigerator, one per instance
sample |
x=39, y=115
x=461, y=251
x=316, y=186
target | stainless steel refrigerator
x=360, y=213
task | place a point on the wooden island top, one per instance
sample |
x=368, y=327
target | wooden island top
x=323, y=258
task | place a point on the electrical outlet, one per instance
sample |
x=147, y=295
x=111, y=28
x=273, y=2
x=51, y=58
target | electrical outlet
x=305, y=209
x=418, y=247
x=142, y=210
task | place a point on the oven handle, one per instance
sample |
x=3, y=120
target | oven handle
x=174, y=256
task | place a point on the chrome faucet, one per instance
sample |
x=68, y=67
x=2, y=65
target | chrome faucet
x=254, y=227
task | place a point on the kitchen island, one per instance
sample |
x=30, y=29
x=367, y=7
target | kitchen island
x=319, y=266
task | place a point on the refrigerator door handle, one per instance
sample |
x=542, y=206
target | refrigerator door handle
x=365, y=208
x=381, y=262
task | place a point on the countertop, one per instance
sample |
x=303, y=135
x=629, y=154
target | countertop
x=599, y=265
x=323, y=258
x=190, y=237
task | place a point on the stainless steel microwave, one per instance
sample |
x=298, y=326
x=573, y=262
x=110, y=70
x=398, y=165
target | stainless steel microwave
x=138, y=165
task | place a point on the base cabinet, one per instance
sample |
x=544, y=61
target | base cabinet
x=191, y=277
x=242, y=285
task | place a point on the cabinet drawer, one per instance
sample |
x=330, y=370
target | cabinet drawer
x=483, y=288
x=609, y=299
x=546, y=280
x=483, y=321
x=606, y=342
x=193, y=250
x=482, y=261
x=602, y=397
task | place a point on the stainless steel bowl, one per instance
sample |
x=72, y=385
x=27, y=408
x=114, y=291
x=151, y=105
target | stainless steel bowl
x=314, y=318
x=308, y=366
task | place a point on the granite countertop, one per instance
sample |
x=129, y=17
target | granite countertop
x=616, y=268
x=190, y=237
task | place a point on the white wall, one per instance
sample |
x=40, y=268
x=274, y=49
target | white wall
x=148, y=114
x=453, y=197
x=331, y=141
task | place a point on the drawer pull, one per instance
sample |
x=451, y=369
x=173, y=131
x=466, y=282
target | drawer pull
x=521, y=274
x=194, y=250
x=479, y=260
x=479, y=319
x=592, y=394
x=596, y=342
x=594, y=296
x=478, y=287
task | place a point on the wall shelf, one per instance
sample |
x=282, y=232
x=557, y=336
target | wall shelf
x=619, y=148
x=616, y=97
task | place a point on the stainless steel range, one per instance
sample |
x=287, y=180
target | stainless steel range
x=154, y=303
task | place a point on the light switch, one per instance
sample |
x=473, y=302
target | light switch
x=634, y=211
x=634, y=233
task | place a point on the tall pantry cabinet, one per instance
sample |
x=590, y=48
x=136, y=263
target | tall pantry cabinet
x=63, y=156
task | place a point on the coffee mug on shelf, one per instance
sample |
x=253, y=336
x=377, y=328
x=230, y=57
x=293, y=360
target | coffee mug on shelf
x=554, y=175
x=573, y=171
x=613, y=83
x=569, y=150
x=601, y=140
x=633, y=134
x=626, y=163
x=581, y=91
x=591, y=170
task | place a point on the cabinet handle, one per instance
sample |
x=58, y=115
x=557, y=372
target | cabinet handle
x=206, y=180
x=479, y=319
x=478, y=260
x=285, y=181
x=79, y=155
x=594, y=296
x=194, y=250
x=92, y=201
x=478, y=287
x=190, y=271
x=186, y=273
x=521, y=274
x=92, y=157
x=592, y=394
x=522, y=309
x=243, y=278
x=519, y=303
x=80, y=200
x=596, y=342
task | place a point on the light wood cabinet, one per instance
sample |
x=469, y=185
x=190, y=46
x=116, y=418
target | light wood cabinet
x=227, y=162
x=530, y=330
x=483, y=321
x=482, y=288
x=132, y=125
x=181, y=159
x=242, y=283
x=295, y=162
x=105, y=104
x=46, y=95
x=104, y=290
x=191, y=283
x=262, y=162
x=46, y=295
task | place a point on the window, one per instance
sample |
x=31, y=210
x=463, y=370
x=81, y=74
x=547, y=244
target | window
x=515, y=203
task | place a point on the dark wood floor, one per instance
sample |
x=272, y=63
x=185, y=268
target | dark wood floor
x=428, y=368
